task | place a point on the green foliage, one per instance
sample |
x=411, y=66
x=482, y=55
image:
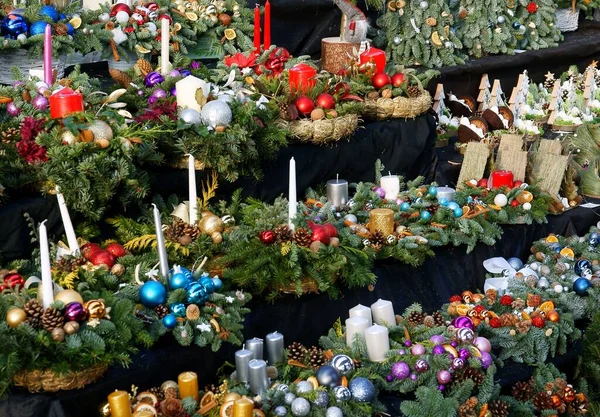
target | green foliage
x=538, y=29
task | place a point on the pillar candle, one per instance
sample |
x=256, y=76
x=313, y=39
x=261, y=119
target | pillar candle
x=274, y=347
x=242, y=358
x=445, y=192
x=391, y=186
x=119, y=404
x=64, y=102
x=302, y=77
x=375, y=56
x=354, y=326
x=160, y=244
x=255, y=345
x=185, y=90
x=378, y=342
x=383, y=313
x=48, y=55
x=501, y=178
x=165, y=66
x=382, y=220
x=361, y=311
x=243, y=407
x=47, y=284
x=188, y=385
x=337, y=192
x=267, y=35
x=66, y=219
x=192, y=189
x=257, y=376
x=292, y=198
x=257, y=29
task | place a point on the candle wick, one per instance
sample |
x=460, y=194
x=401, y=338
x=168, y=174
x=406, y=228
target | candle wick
x=390, y=172
x=337, y=177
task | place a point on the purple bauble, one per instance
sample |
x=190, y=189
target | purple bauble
x=458, y=363
x=401, y=352
x=463, y=354
x=413, y=377
x=463, y=322
x=436, y=339
x=444, y=376
x=152, y=100
x=153, y=78
x=40, y=103
x=407, y=343
x=482, y=344
x=400, y=370
x=159, y=93
x=18, y=84
x=140, y=92
x=379, y=191
x=42, y=89
x=421, y=366
x=441, y=387
x=12, y=109
x=184, y=72
x=439, y=350
x=75, y=312
x=174, y=91
x=486, y=360
x=389, y=378
x=417, y=349
x=399, y=201
x=174, y=73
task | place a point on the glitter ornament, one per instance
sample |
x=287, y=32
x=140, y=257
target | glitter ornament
x=216, y=113
x=289, y=398
x=443, y=376
x=334, y=412
x=300, y=407
x=417, y=349
x=342, y=393
x=322, y=399
x=303, y=387
x=280, y=411
x=421, y=365
x=400, y=370
x=190, y=116
x=362, y=389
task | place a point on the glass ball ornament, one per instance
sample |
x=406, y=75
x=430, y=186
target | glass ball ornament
x=178, y=309
x=169, y=321
x=322, y=399
x=404, y=206
x=342, y=393
x=351, y=218
x=425, y=215
x=328, y=376
x=464, y=354
x=483, y=344
x=421, y=365
x=457, y=212
x=443, y=376
x=593, y=239
x=179, y=280
x=486, y=360
x=501, y=19
x=443, y=201
x=197, y=293
x=216, y=113
x=289, y=398
x=362, y=389
x=40, y=103
x=334, y=412
x=400, y=370
x=14, y=25
x=581, y=286
x=152, y=294
x=458, y=363
x=583, y=268
x=417, y=349
x=22, y=38
x=303, y=387
x=300, y=407
x=153, y=78
x=159, y=93
x=50, y=12
x=280, y=411
x=463, y=322
x=438, y=350
x=397, y=40
x=217, y=283
x=190, y=116
x=122, y=17
x=75, y=312
x=500, y=200
x=15, y=316
x=515, y=262
x=424, y=5
x=453, y=205
x=343, y=364
x=37, y=28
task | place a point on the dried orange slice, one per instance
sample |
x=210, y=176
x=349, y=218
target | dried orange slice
x=450, y=349
x=191, y=16
x=547, y=306
x=142, y=50
x=206, y=398
x=313, y=381
x=525, y=316
x=567, y=252
x=551, y=239
x=230, y=34
x=344, y=382
x=75, y=22
x=226, y=409
x=435, y=39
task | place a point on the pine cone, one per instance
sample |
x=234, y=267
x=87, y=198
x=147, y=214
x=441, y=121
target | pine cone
x=578, y=406
x=144, y=66
x=171, y=392
x=10, y=134
x=467, y=409
x=542, y=401
x=283, y=233
x=523, y=390
x=52, y=318
x=316, y=359
x=120, y=77
x=181, y=232
x=378, y=238
x=498, y=408
x=172, y=407
x=161, y=311
x=415, y=318
x=192, y=312
x=413, y=91
x=34, y=313
x=283, y=111
x=469, y=373
x=302, y=237
x=210, y=388
x=158, y=392
x=438, y=318
x=296, y=352
x=429, y=321
x=60, y=29
x=508, y=319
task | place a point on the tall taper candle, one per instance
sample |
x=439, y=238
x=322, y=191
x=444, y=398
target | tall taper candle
x=47, y=284
x=255, y=345
x=165, y=66
x=242, y=359
x=257, y=29
x=48, y=55
x=274, y=347
x=292, y=202
x=267, y=31
x=383, y=313
x=119, y=403
x=160, y=244
x=257, y=376
x=188, y=385
x=355, y=325
x=378, y=342
x=361, y=311
x=193, y=196
x=66, y=219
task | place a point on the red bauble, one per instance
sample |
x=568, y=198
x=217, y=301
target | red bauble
x=89, y=249
x=14, y=279
x=495, y=322
x=103, y=257
x=117, y=250
x=120, y=7
x=304, y=105
x=331, y=230
x=517, y=183
x=514, y=203
x=152, y=6
x=380, y=80
x=398, y=79
x=319, y=233
x=538, y=321
x=483, y=183
x=165, y=16
x=325, y=101
x=506, y=300
x=267, y=237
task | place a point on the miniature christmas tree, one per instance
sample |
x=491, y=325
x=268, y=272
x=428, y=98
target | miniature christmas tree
x=535, y=24
x=485, y=94
x=418, y=33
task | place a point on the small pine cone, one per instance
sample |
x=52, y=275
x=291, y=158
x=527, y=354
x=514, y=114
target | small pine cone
x=60, y=29
x=172, y=407
x=498, y=408
x=33, y=308
x=508, y=319
x=302, y=237
x=161, y=311
x=120, y=77
x=378, y=238
x=144, y=66
x=210, y=388
x=11, y=134
x=413, y=91
x=438, y=318
x=34, y=322
x=316, y=359
x=283, y=233
x=52, y=318
x=429, y=321
x=431, y=21
x=542, y=401
x=296, y=352
x=467, y=409
x=522, y=390
x=171, y=392
x=192, y=312
x=469, y=373
x=415, y=318
x=283, y=111
x=158, y=392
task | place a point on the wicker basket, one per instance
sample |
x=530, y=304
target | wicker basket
x=20, y=58
x=397, y=108
x=45, y=380
x=567, y=20
x=323, y=131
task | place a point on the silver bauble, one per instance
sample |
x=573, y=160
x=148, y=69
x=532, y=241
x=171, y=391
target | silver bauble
x=397, y=40
x=342, y=393
x=334, y=412
x=543, y=283
x=343, y=363
x=280, y=411
x=22, y=37
x=289, y=398
x=328, y=376
x=101, y=130
x=515, y=262
x=190, y=116
x=501, y=19
x=362, y=389
x=303, y=386
x=424, y=5
x=351, y=218
x=300, y=407
x=465, y=335
x=322, y=399
x=283, y=387
x=216, y=113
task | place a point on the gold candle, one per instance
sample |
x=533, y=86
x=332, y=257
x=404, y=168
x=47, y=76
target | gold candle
x=119, y=404
x=382, y=220
x=188, y=385
x=243, y=407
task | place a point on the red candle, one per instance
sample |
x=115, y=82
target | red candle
x=257, y=29
x=501, y=178
x=267, y=40
x=65, y=102
x=301, y=78
x=375, y=56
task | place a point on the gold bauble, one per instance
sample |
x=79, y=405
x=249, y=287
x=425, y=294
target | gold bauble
x=71, y=327
x=67, y=137
x=231, y=396
x=216, y=237
x=169, y=384
x=68, y=296
x=101, y=130
x=95, y=308
x=210, y=224
x=15, y=316
x=58, y=334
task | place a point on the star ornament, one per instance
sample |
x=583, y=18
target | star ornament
x=594, y=64
x=549, y=76
x=229, y=299
x=204, y=327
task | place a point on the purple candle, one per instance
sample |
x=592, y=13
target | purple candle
x=48, y=55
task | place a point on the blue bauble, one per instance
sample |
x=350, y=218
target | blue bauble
x=432, y=190
x=178, y=309
x=555, y=246
x=343, y=363
x=50, y=12
x=179, y=280
x=425, y=215
x=457, y=212
x=280, y=411
x=443, y=201
x=152, y=294
x=594, y=239
x=13, y=25
x=62, y=16
x=469, y=200
x=208, y=283
x=581, y=286
x=516, y=263
x=516, y=24
x=583, y=268
x=404, y=206
x=37, y=28
x=70, y=29
x=184, y=72
x=341, y=393
x=328, y=376
x=196, y=293
x=322, y=399
x=453, y=205
x=362, y=389
x=170, y=321
x=217, y=283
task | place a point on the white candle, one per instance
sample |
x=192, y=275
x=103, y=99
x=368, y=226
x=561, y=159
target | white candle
x=242, y=359
x=293, y=204
x=47, y=284
x=66, y=219
x=391, y=186
x=192, y=189
x=354, y=326
x=255, y=345
x=378, y=342
x=164, y=47
x=186, y=92
x=160, y=244
x=274, y=347
x=445, y=192
x=361, y=311
x=383, y=313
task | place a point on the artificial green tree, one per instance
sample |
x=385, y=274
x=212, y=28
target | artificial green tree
x=535, y=23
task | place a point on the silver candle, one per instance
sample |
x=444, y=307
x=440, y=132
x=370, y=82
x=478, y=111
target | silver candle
x=242, y=359
x=160, y=244
x=255, y=345
x=445, y=192
x=275, y=348
x=337, y=192
x=257, y=376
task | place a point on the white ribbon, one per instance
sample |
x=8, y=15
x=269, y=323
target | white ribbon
x=35, y=280
x=500, y=265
